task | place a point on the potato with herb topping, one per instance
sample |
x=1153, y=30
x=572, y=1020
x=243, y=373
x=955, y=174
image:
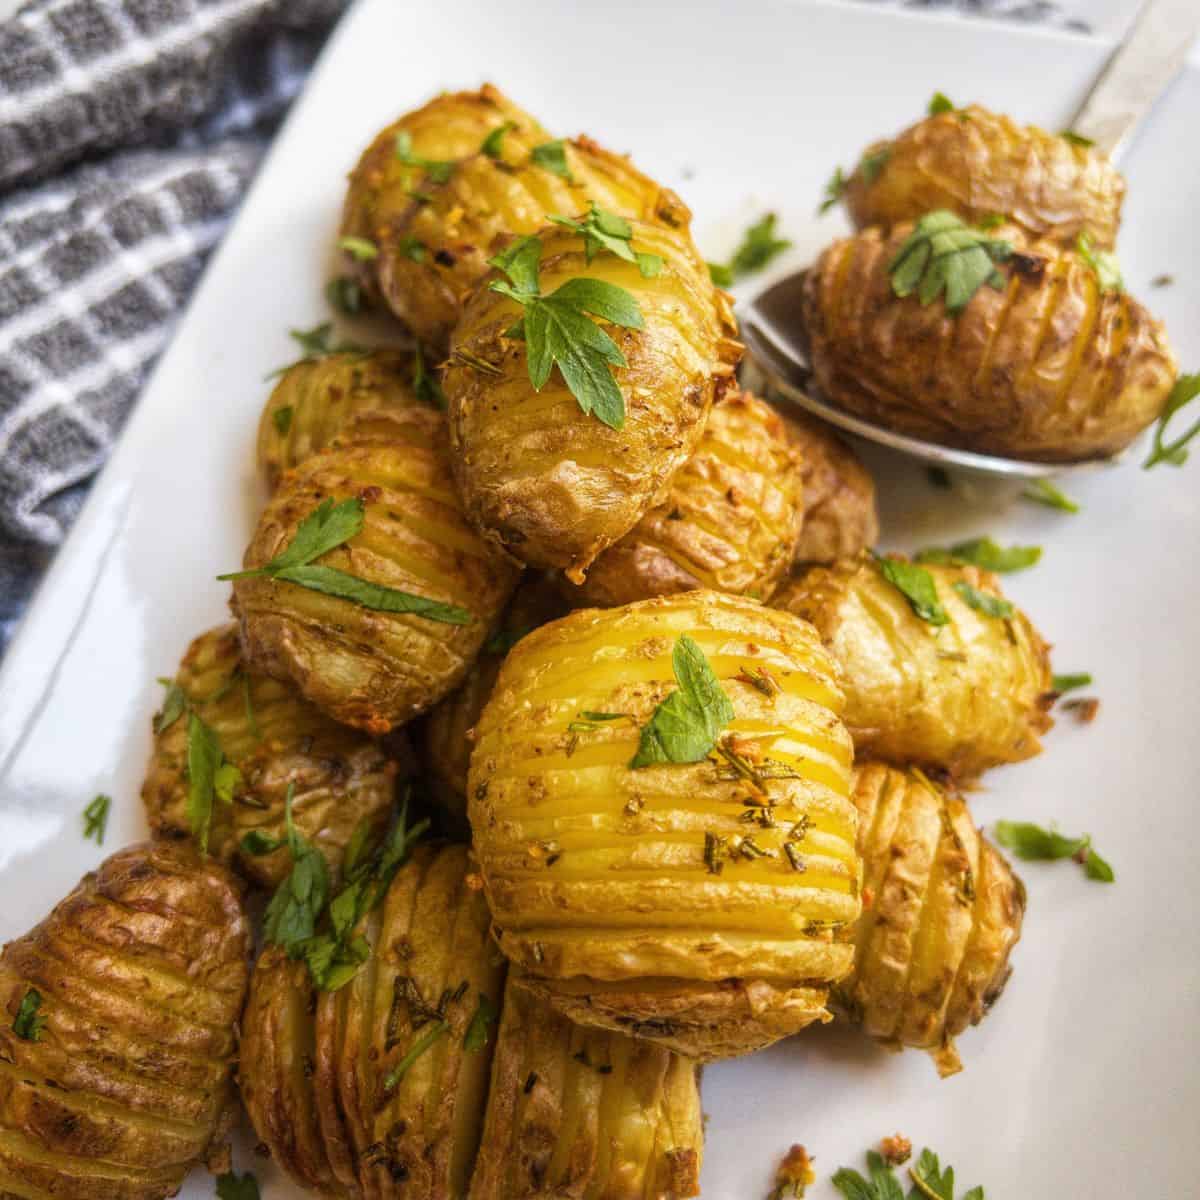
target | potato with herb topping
x=691, y=902
x=981, y=165
x=378, y=1089
x=582, y=1112
x=117, y=1030
x=942, y=911
x=730, y=520
x=555, y=484
x=276, y=739
x=961, y=695
x=385, y=622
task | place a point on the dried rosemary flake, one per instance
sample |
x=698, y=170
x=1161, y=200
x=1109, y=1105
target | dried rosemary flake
x=759, y=678
x=716, y=851
x=794, y=856
x=473, y=360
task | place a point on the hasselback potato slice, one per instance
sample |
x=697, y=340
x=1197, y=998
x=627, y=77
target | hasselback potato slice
x=555, y=484
x=840, y=518
x=585, y=1113
x=981, y=164
x=276, y=739
x=729, y=521
x=377, y=1090
x=961, y=696
x=365, y=667
x=694, y=901
x=1047, y=366
x=436, y=251
x=118, y=1030
x=942, y=911
x=451, y=126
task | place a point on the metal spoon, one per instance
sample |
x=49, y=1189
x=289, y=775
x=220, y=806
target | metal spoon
x=1138, y=72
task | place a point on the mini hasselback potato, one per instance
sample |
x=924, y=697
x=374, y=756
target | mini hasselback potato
x=550, y=482
x=368, y=668
x=840, y=518
x=961, y=697
x=981, y=164
x=585, y=1113
x=118, y=1030
x=377, y=1090
x=942, y=911
x=451, y=126
x=436, y=251
x=317, y=399
x=1048, y=367
x=729, y=521
x=276, y=739
x=691, y=902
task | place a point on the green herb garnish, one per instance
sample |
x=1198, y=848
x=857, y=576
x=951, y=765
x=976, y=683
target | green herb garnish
x=871, y=165
x=479, y=1030
x=290, y=919
x=720, y=274
x=439, y=172
x=929, y=1181
x=916, y=585
x=552, y=157
x=1186, y=389
x=1070, y=683
x=256, y=843
x=95, y=818
x=281, y=418
x=835, y=189
x=945, y=255
x=27, y=1025
x=1104, y=265
x=603, y=230
x=360, y=248
x=984, y=552
x=174, y=706
x=940, y=103
x=1033, y=843
x=684, y=727
x=1042, y=491
x=423, y=1043
x=425, y=383
x=493, y=144
x=316, y=342
x=232, y=1186
x=758, y=246
x=211, y=779
x=345, y=295
x=1076, y=139
x=984, y=602
x=412, y=248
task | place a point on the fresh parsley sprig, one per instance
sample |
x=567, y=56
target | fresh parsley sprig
x=1175, y=453
x=317, y=342
x=493, y=144
x=211, y=779
x=758, y=246
x=983, y=552
x=939, y=102
x=916, y=585
x=602, y=230
x=28, y=1024
x=1035, y=844
x=439, y=172
x=929, y=1181
x=1076, y=139
x=835, y=189
x=95, y=818
x=984, y=602
x=945, y=255
x=552, y=157
x=1104, y=265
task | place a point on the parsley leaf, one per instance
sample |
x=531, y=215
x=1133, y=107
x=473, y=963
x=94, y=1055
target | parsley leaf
x=1069, y=683
x=1104, y=265
x=281, y=418
x=834, y=190
x=479, y=1030
x=439, y=172
x=603, y=230
x=232, y=1186
x=345, y=295
x=492, y=145
x=361, y=249
x=316, y=342
x=984, y=552
x=684, y=727
x=423, y=1043
x=930, y=1181
x=758, y=246
x=1035, y=844
x=1076, y=139
x=552, y=157
x=1042, y=491
x=984, y=602
x=425, y=383
x=943, y=254
x=291, y=916
x=210, y=778
x=1186, y=389
x=27, y=1025
x=939, y=102
x=257, y=843
x=95, y=818
x=174, y=706
x=916, y=585
x=720, y=274
x=870, y=165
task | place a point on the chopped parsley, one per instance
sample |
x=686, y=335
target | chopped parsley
x=361, y=249
x=480, y=1027
x=939, y=102
x=758, y=246
x=1186, y=389
x=871, y=165
x=439, y=172
x=345, y=295
x=281, y=418
x=211, y=779
x=95, y=818
x=1033, y=843
x=425, y=383
x=984, y=602
x=1042, y=491
x=835, y=189
x=1070, y=683
x=603, y=230
x=552, y=157
x=1104, y=265
x=929, y=1181
x=27, y=1024
x=984, y=552
x=1076, y=139
x=945, y=255
x=317, y=342
x=493, y=144
x=916, y=585
x=438, y=1030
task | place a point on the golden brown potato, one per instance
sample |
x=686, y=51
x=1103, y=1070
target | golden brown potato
x=368, y=668
x=840, y=519
x=437, y=250
x=550, y=482
x=942, y=911
x=961, y=697
x=277, y=740
x=1049, y=367
x=317, y=399
x=980, y=164
x=117, y=1035
x=451, y=126
x=729, y=521
x=378, y=1089
x=690, y=902
x=580, y=1112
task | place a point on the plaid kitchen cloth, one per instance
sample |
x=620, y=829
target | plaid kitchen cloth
x=129, y=130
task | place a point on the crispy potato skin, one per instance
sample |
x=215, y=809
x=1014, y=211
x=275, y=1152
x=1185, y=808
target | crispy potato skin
x=960, y=697
x=583, y=1113
x=276, y=739
x=436, y=251
x=942, y=911
x=578, y=851
x=729, y=522
x=315, y=1066
x=1049, y=368
x=978, y=164
x=142, y=971
x=317, y=399
x=840, y=518
x=451, y=126
x=549, y=482
x=375, y=670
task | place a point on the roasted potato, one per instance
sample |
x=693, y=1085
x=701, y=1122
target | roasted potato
x=942, y=911
x=317, y=399
x=451, y=126
x=840, y=519
x=580, y=1112
x=1047, y=367
x=543, y=478
x=276, y=740
x=436, y=250
x=980, y=164
x=368, y=668
x=960, y=697
x=729, y=521
x=118, y=1030
x=378, y=1089
x=693, y=902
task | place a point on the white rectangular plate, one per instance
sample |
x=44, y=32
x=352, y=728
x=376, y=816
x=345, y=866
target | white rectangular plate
x=1083, y=1082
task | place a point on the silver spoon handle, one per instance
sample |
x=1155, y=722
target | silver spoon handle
x=1138, y=72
